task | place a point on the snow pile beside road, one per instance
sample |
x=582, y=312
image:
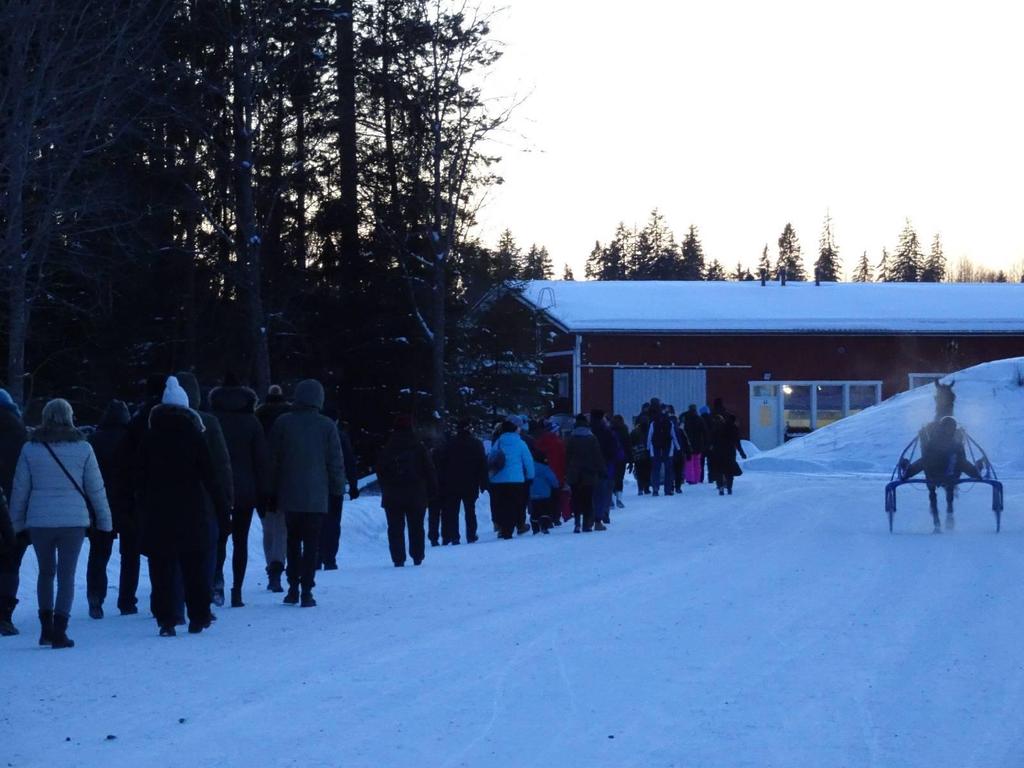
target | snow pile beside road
x=989, y=405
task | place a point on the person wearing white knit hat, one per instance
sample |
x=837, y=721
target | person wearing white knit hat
x=174, y=394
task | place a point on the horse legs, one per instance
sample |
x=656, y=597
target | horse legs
x=933, y=506
x=949, y=507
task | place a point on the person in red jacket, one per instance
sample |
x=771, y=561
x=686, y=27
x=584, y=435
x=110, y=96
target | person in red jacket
x=550, y=442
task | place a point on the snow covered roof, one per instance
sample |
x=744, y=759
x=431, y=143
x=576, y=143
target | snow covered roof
x=676, y=306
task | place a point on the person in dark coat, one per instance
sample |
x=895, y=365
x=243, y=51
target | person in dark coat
x=621, y=432
x=726, y=444
x=330, y=534
x=12, y=547
x=641, y=457
x=662, y=444
x=235, y=409
x=709, y=448
x=585, y=469
x=106, y=442
x=697, y=436
x=275, y=531
x=130, y=546
x=307, y=479
x=175, y=480
x=408, y=483
x=462, y=477
x=220, y=525
x=611, y=451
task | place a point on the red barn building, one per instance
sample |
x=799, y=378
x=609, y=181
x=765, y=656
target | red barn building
x=785, y=359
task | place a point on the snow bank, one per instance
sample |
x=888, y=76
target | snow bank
x=989, y=405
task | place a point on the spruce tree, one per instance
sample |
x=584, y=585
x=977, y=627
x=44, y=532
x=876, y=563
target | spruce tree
x=764, y=265
x=789, y=255
x=505, y=263
x=715, y=271
x=741, y=273
x=884, y=271
x=935, y=265
x=567, y=273
x=692, y=256
x=617, y=255
x=537, y=264
x=862, y=274
x=657, y=255
x=908, y=261
x=595, y=262
x=826, y=268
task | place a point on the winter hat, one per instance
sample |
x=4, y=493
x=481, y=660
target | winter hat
x=704, y=410
x=274, y=391
x=310, y=393
x=582, y=420
x=403, y=422
x=116, y=414
x=553, y=426
x=174, y=394
x=7, y=402
x=516, y=420
x=58, y=413
x=508, y=427
x=596, y=415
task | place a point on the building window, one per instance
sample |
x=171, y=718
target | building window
x=924, y=379
x=782, y=410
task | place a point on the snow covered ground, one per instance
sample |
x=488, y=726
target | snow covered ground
x=783, y=626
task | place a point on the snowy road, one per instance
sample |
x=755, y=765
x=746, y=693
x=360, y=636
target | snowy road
x=781, y=627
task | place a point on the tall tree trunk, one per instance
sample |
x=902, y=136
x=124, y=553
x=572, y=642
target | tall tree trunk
x=349, y=256
x=247, y=233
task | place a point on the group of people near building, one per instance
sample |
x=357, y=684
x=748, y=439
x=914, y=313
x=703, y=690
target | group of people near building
x=174, y=481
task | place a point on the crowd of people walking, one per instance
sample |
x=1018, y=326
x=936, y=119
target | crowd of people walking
x=174, y=482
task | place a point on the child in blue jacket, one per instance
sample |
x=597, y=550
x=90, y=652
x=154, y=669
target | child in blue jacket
x=543, y=496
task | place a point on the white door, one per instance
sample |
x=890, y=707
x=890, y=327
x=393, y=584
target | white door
x=765, y=415
x=632, y=387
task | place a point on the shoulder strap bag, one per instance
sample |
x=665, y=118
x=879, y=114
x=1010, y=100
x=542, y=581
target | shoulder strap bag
x=85, y=498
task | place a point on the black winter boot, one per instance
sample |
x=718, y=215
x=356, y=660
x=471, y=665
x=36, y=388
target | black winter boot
x=95, y=606
x=274, y=571
x=236, y=598
x=46, y=624
x=60, y=632
x=292, y=598
x=7, y=628
x=218, y=590
x=307, y=600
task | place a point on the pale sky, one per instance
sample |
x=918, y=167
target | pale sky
x=741, y=116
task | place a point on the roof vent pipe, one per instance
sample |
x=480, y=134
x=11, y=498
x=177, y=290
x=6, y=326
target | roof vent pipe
x=782, y=275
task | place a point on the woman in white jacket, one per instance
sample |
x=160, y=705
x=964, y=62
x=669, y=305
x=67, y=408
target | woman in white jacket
x=56, y=473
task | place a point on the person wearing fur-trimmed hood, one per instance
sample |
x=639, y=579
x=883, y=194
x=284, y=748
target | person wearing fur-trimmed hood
x=175, y=475
x=58, y=493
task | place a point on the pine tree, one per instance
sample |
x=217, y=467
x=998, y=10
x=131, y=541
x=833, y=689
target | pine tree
x=935, y=265
x=657, y=255
x=789, y=255
x=908, y=261
x=567, y=273
x=692, y=256
x=863, y=272
x=741, y=273
x=826, y=268
x=764, y=265
x=883, y=271
x=617, y=255
x=1001, y=277
x=715, y=271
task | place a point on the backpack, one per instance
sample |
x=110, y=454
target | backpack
x=404, y=467
x=496, y=460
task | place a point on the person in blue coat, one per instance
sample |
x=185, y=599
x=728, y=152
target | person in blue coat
x=543, y=496
x=511, y=467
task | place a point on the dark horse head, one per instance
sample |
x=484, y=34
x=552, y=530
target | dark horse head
x=944, y=399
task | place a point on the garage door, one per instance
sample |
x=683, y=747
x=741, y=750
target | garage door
x=632, y=387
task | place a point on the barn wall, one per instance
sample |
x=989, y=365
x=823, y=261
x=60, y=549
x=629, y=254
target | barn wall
x=803, y=357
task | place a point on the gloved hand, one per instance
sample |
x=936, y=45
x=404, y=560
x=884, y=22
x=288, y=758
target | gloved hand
x=353, y=492
x=333, y=503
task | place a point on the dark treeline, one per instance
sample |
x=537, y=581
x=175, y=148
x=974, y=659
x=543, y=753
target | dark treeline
x=653, y=252
x=276, y=189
